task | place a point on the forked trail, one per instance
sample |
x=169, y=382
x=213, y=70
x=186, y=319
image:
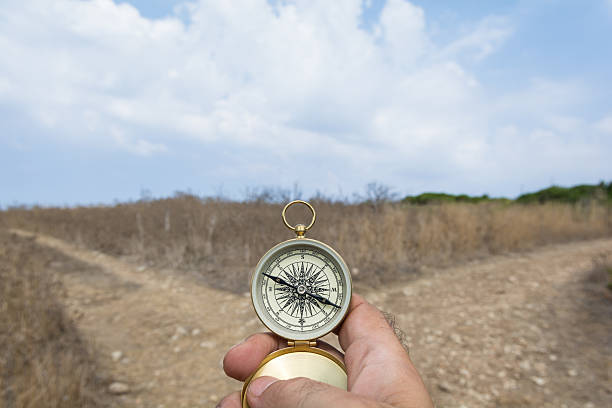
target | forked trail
x=170, y=330
x=529, y=329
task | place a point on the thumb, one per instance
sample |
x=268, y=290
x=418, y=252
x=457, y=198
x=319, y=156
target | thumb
x=270, y=392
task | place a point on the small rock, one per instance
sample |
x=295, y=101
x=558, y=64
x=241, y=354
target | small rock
x=445, y=387
x=116, y=355
x=456, y=338
x=572, y=373
x=181, y=331
x=118, y=388
x=510, y=384
x=540, y=368
x=207, y=344
x=195, y=332
x=552, y=357
x=465, y=372
x=174, y=337
x=525, y=365
x=512, y=279
x=213, y=398
x=538, y=380
x=177, y=350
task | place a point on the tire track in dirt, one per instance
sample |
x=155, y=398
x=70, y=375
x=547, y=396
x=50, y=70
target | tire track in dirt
x=529, y=329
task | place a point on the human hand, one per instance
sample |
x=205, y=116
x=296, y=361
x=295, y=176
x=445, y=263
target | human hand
x=380, y=373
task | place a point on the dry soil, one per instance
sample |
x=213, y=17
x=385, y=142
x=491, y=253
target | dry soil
x=529, y=329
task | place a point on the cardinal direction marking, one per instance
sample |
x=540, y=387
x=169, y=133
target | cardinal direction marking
x=301, y=290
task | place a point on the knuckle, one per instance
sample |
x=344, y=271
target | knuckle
x=301, y=385
x=304, y=389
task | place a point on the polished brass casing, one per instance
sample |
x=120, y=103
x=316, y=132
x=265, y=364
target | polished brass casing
x=302, y=358
x=300, y=361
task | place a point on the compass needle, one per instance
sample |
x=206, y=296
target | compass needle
x=301, y=289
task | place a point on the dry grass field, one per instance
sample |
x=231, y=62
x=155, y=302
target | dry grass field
x=44, y=361
x=221, y=241
x=503, y=305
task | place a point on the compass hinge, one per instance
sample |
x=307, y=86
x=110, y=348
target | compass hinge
x=306, y=343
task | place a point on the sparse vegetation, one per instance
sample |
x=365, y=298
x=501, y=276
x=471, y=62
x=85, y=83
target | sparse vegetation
x=443, y=198
x=222, y=240
x=585, y=193
x=601, y=192
x=43, y=360
x=602, y=270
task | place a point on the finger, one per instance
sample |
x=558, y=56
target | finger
x=374, y=352
x=231, y=401
x=244, y=358
x=364, y=322
x=269, y=392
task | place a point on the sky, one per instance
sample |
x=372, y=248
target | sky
x=101, y=100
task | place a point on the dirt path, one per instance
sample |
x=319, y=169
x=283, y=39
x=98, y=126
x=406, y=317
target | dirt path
x=171, y=331
x=522, y=330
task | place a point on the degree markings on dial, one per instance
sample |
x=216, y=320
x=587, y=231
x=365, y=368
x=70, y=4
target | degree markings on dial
x=293, y=268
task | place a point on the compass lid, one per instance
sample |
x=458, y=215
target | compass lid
x=300, y=361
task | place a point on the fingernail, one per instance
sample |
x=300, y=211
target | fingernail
x=260, y=384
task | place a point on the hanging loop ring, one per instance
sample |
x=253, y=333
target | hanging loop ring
x=299, y=229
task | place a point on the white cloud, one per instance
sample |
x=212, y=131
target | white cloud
x=486, y=38
x=604, y=125
x=388, y=103
x=137, y=146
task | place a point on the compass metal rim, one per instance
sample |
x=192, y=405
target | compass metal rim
x=325, y=328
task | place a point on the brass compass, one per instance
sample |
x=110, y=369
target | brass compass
x=301, y=290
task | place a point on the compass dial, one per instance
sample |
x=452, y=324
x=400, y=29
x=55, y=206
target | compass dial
x=301, y=289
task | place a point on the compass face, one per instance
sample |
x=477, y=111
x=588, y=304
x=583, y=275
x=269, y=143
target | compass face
x=301, y=289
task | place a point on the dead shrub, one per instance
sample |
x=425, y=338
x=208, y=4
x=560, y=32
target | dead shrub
x=222, y=240
x=43, y=360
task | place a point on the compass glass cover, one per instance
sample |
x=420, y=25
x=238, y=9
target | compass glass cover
x=301, y=289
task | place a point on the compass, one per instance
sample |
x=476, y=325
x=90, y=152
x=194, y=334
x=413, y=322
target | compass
x=301, y=290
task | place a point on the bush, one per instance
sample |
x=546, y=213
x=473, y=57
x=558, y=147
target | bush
x=572, y=195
